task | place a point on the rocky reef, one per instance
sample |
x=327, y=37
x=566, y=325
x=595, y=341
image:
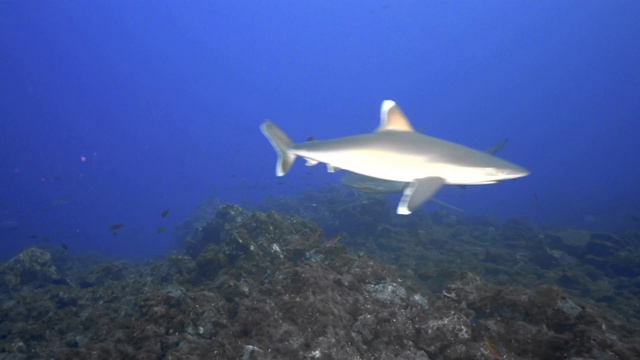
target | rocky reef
x=436, y=247
x=266, y=285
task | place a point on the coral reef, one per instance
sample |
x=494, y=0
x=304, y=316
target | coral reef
x=262, y=285
x=435, y=247
x=31, y=268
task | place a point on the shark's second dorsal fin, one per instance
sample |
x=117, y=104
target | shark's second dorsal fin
x=392, y=118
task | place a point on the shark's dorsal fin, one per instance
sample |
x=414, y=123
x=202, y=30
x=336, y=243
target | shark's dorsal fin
x=392, y=118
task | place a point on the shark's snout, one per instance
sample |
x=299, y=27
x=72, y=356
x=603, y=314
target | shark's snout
x=515, y=171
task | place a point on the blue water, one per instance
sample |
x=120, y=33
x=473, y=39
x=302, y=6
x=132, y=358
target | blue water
x=113, y=111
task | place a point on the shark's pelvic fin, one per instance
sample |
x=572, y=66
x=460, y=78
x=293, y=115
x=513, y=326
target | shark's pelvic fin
x=392, y=118
x=418, y=191
x=282, y=144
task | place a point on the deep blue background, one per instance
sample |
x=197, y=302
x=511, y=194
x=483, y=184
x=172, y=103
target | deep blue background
x=164, y=100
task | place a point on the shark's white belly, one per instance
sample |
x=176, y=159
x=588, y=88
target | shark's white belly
x=378, y=164
x=382, y=165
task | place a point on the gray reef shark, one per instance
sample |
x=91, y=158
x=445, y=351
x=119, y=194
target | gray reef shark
x=396, y=152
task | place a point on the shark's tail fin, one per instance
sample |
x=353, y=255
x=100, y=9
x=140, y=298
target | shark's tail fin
x=282, y=144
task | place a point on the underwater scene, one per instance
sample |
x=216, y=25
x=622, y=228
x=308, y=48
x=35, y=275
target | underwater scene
x=319, y=180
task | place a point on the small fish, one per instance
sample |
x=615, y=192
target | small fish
x=165, y=213
x=9, y=224
x=116, y=226
x=64, y=246
x=45, y=239
x=333, y=240
x=161, y=230
x=33, y=237
x=492, y=350
x=60, y=202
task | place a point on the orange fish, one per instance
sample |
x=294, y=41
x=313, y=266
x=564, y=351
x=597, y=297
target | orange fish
x=492, y=350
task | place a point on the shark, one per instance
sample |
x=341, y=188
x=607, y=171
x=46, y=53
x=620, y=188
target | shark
x=396, y=152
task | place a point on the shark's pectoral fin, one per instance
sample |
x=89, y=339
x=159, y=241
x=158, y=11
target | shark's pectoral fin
x=311, y=162
x=418, y=191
